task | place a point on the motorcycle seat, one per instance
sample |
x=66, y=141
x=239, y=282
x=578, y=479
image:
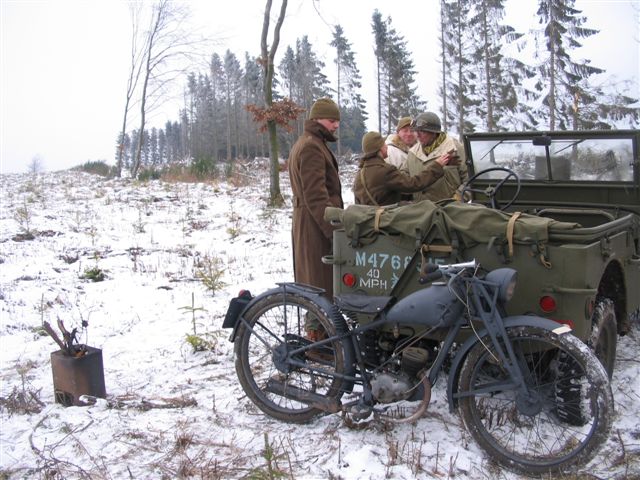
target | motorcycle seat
x=353, y=302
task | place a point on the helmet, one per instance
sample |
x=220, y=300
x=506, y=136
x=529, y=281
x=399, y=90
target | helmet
x=427, y=122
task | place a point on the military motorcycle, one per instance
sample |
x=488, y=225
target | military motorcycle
x=531, y=394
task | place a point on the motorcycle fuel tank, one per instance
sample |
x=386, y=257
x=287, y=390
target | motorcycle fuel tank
x=435, y=306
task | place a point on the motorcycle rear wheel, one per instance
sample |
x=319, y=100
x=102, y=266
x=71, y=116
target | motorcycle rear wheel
x=277, y=325
x=568, y=418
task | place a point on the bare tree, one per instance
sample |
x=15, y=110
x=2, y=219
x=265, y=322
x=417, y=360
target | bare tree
x=35, y=165
x=135, y=69
x=275, y=196
x=168, y=47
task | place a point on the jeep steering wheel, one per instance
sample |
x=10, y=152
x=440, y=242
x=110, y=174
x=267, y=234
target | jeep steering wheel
x=492, y=190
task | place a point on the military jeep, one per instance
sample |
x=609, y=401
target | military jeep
x=562, y=208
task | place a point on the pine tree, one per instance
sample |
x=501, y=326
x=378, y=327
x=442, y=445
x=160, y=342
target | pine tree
x=153, y=148
x=348, y=91
x=504, y=101
x=290, y=87
x=403, y=97
x=303, y=81
x=252, y=85
x=232, y=93
x=216, y=74
x=563, y=79
x=458, y=89
x=162, y=147
x=312, y=83
x=397, y=96
x=380, y=35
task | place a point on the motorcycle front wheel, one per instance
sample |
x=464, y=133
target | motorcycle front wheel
x=277, y=325
x=562, y=420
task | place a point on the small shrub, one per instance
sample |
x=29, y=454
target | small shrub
x=179, y=173
x=98, y=167
x=235, y=229
x=272, y=456
x=23, y=215
x=204, y=168
x=200, y=343
x=147, y=174
x=209, y=270
x=22, y=401
x=95, y=274
x=139, y=225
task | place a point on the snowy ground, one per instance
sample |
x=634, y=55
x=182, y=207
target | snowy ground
x=170, y=412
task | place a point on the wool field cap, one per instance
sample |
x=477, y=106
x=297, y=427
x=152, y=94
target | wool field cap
x=372, y=142
x=403, y=122
x=324, y=108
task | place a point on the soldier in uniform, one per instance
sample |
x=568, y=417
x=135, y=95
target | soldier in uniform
x=400, y=142
x=315, y=184
x=379, y=183
x=432, y=144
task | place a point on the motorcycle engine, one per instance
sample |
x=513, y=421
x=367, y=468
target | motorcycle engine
x=389, y=387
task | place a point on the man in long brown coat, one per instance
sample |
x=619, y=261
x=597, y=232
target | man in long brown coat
x=313, y=171
x=379, y=183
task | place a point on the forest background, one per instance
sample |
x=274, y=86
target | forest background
x=491, y=74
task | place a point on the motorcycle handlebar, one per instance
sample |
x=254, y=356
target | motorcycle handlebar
x=430, y=277
x=431, y=272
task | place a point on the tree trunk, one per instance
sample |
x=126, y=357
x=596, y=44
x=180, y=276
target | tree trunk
x=275, y=197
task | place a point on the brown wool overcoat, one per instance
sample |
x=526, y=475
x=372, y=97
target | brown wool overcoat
x=386, y=184
x=315, y=185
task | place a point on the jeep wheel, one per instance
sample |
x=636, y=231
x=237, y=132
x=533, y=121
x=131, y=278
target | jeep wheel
x=604, y=334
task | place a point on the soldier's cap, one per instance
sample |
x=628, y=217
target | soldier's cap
x=403, y=122
x=372, y=142
x=324, y=108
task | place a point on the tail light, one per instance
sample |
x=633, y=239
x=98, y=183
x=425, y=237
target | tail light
x=548, y=304
x=349, y=280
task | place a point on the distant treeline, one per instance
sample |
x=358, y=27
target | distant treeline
x=494, y=78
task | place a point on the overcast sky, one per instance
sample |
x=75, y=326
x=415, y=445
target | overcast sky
x=64, y=62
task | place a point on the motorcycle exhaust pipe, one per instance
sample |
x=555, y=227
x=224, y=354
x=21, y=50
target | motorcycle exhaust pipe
x=321, y=402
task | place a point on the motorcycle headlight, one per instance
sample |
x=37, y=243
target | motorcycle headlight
x=506, y=279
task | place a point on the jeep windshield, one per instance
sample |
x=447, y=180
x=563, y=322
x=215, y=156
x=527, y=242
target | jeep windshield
x=571, y=168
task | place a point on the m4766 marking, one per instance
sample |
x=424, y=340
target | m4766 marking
x=380, y=260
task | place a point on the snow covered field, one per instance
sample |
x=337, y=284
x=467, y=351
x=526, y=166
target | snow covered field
x=171, y=412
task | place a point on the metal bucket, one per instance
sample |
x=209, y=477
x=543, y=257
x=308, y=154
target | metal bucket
x=76, y=376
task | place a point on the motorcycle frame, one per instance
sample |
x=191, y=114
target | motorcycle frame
x=479, y=292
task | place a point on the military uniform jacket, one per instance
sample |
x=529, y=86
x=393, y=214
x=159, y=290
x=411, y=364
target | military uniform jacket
x=378, y=183
x=315, y=185
x=453, y=177
x=397, y=151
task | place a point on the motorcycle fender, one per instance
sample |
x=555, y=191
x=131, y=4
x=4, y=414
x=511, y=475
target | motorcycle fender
x=298, y=288
x=515, y=321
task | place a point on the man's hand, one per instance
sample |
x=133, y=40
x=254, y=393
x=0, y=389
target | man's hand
x=450, y=159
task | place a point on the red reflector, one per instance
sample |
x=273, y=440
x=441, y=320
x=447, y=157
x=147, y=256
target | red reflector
x=349, y=279
x=548, y=304
x=568, y=323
